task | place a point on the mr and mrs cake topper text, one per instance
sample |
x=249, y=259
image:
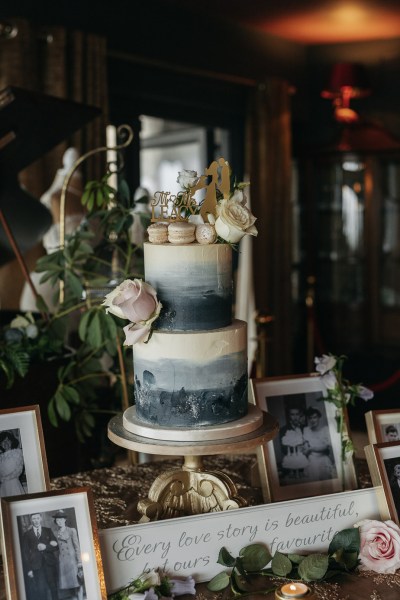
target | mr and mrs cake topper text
x=168, y=207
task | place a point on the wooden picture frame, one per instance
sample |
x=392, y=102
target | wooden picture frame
x=68, y=530
x=305, y=468
x=383, y=426
x=382, y=462
x=23, y=467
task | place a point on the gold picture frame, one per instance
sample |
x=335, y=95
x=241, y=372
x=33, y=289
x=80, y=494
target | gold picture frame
x=382, y=460
x=383, y=426
x=66, y=520
x=295, y=471
x=23, y=469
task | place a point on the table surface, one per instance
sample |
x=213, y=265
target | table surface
x=116, y=491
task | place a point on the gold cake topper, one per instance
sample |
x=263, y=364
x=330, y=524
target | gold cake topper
x=178, y=207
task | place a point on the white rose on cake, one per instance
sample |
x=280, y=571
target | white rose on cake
x=187, y=179
x=136, y=301
x=234, y=219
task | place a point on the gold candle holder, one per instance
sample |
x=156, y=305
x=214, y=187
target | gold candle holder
x=293, y=591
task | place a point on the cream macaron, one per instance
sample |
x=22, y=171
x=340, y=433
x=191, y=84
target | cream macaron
x=181, y=232
x=158, y=233
x=205, y=234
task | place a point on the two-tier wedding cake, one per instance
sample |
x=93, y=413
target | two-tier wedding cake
x=190, y=355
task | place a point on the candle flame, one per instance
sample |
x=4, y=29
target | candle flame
x=292, y=587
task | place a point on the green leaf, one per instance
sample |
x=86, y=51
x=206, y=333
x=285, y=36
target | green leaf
x=62, y=406
x=74, y=283
x=83, y=325
x=41, y=305
x=347, y=539
x=237, y=582
x=313, y=567
x=124, y=191
x=240, y=568
x=8, y=372
x=345, y=560
x=281, y=565
x=94, y=337
x=70, y=394
x=295, y=558
x=255, y=557
x=219, y=582
x=108, y=326
x=225, y=558
x=51, y=411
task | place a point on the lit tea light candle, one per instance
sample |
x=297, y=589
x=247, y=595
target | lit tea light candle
x=293, y=590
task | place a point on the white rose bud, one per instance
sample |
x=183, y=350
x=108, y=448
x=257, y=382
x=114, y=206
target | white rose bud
x=187, y=179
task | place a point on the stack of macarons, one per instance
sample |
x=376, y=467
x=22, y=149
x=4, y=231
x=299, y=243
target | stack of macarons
x=181, y=232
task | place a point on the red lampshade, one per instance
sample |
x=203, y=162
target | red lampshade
x=347, y=79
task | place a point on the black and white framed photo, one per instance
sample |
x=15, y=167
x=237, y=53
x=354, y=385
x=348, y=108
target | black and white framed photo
x=50, y=546
x=23, y=462
x=383, y=426
x=384, y=465
x=304, y=459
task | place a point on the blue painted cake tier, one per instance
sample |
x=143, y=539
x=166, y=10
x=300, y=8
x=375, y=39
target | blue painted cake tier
x=193, y=283
x=192, y=379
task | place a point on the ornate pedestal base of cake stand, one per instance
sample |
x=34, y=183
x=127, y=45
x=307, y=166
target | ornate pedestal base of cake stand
x=191, y=489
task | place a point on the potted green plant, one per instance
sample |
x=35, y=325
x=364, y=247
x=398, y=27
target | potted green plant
x=76, y=349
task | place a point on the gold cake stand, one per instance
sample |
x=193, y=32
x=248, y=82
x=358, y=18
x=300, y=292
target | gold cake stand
x=191, y=489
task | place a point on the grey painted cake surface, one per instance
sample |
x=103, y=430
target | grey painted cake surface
x=182, y=393
x=192, y=379
x=193, y=283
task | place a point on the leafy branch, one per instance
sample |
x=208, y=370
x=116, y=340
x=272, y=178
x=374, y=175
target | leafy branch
x=253, y=561
x=77, y=332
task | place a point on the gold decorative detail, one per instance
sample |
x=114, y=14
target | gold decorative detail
x=180, y=202
x=328, y=591
x=189, y=491
x=210, y=200
x=178, y=207
x=392, y=580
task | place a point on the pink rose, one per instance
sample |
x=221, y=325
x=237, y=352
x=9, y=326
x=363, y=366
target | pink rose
x=136, y=333
x=379, y=546
x=133, y=300
x=136, y=301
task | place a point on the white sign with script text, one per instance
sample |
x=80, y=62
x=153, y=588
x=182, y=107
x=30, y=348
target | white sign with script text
x=190, y=545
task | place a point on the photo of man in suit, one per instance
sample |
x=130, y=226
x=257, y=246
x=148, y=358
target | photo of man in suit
x=40, y=560
x=395, y=486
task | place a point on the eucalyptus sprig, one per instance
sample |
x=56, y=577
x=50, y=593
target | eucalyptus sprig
x=340, y=392
x=253, y=561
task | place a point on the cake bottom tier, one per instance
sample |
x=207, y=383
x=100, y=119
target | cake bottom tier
x=192, y=379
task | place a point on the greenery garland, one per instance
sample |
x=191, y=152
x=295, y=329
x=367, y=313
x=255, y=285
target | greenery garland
x=342, y=557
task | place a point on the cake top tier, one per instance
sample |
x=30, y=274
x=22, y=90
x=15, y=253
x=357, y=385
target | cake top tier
x=191, y=289
x=193, y=283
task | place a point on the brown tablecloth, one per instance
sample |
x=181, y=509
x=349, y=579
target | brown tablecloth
x=117, y=489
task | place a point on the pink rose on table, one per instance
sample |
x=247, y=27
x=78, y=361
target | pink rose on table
x=136, y=301
x=379, y=546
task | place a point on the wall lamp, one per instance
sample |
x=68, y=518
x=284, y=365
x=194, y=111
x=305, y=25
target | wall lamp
x=346, y=82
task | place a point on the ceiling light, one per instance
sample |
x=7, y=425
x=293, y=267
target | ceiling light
x=346, y=81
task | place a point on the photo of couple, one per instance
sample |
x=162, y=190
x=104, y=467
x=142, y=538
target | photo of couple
x=51, y=556
x=12, y=467
x=392, y=466
x=303, y=447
